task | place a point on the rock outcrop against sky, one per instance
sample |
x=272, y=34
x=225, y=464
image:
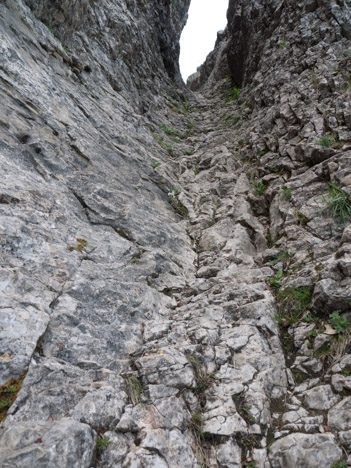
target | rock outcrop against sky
x=175, y=265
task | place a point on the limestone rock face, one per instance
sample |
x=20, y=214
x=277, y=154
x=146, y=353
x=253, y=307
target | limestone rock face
x=175, y=266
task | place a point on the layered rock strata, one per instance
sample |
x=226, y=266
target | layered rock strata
x=170, y=262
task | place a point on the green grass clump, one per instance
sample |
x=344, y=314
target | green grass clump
x=293, y=303
x=339, y=464
x=5, y=403
x=284, y=257
x=287, y=192
x=260, y=187
x=134, y=389
x=275, y=281
x=203, y=380
x=8, y=394
x=196, y=424
x=155, y=164
x=327, y=140
x=338, y=202
x=102, y=443
x=340, y=324
x=233, y=94
x=176, y=204
x=172, y=132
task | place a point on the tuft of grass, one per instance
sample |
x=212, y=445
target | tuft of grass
x=293, y=303
x=340, y=324
x=155, y=164
x=327, y=140
x=176, y=204
x=134, y=389
x=232, y=94
x=275, y=281
x=338, y=202
x=202, y=379
x=195, y=424
x=287, y=192
x=281, y=45
x=8, y=394
x=102, y=443
x=260, y=187
x=5, y=403
x=81, y=244
x=172, y=132
x=340, y=464
x=284, y=257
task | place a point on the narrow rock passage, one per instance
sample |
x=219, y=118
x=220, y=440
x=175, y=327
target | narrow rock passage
x=210, y=368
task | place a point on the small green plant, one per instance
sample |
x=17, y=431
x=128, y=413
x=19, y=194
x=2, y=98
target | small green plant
x=102, y=443
x=338, y=202
x=284, y=257
x=340, y=324
x=232, y=94
x=312, y=333
x=8, y=394
x=176, y=204
x=135, y=260
x=327, y=140
x=11, y=389
x=260, y=187
x=287, y=192
x=170, y=148
x=171, y=132
x=347, y=373
x=189, y=152
x=5, y=403
x=312, y=317
x=275, y=281
x=81, y=244
x=134, y=389
x=156, y=164
x=244, y=411
x=281, y=45
x=196, y=424
x=196, y=171
x=294, y=302
x=339, y=464
x=235, y=93
x=202, y=379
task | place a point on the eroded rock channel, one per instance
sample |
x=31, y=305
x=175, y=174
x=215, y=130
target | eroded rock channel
x=175, y=264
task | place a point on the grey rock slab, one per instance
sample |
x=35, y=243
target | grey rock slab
x=170, y=368
x=117, y=450
x=339, y=417
x=229, y=455
x=96, y=397
x=345, y=439
x=65, y=443
x=341, y=382
x=174, y=446
x=310, y=451
x=320, y=398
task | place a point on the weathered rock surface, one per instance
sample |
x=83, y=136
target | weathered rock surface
x=175, y=284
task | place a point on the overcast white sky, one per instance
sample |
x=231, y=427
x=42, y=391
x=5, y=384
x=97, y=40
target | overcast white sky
x=206, y=17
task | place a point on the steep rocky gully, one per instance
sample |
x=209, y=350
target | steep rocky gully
x=175, y=265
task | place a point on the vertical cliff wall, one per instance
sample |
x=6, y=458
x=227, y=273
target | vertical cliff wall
x=175, y=267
